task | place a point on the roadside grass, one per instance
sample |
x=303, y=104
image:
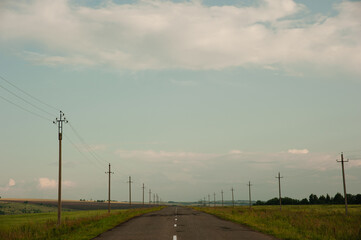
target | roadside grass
x=7, y=208
x=75, y=225
x=317, y=222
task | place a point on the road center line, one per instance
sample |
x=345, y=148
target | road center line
x=174, y=237
x=175, y=225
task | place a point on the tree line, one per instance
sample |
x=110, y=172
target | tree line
x=314, y=199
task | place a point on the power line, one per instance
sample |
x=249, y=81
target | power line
x=26, y=101
x=26, y=110
x=28, y=94
x=97, y=158
x=82, y=153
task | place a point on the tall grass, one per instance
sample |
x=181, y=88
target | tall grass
x=296, y=222
x=75, y=225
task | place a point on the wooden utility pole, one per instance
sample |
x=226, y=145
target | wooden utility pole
x=130, y=190
x=222, y=197
x=60, y=122
x=150, y=196
x=209, y=200
x=249, y=193
x=279, y=189
x=143, y=194
x=109, y=172
x=344, y=181
x=205, y=203
x=232, y=196
x=214, y=199
x=154, y=198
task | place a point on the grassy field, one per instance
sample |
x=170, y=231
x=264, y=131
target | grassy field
x=10, y=208
x=317, y=222
x=75, y=224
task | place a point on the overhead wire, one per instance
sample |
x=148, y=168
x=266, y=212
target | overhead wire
x=24, y=109
x=28, y=94
x=94, y=155
x=82, y=153
x=26, y=101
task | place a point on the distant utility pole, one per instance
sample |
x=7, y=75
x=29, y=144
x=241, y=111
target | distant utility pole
x=60, y=122
x=130, y=190
x=109, y=188
x=157, y=198
x=344, y=181
x=150, y=196
x=209, y=200
x=279, y=189
x=249, y=193
x=205, y=203
x=143, y=194
x=214, y=198
x=153, y=198
x=232, y=196
x=222, y=197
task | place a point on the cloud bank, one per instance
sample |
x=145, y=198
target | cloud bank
x=154, y=34
x=47, y=183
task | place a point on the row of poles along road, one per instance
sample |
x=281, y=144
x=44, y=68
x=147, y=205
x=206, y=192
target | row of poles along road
x=156, y=198
x=60, y=122
x=204, y=203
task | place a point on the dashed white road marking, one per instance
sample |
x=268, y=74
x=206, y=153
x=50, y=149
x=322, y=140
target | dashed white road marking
x=176, y=219
x=174, y=237
x=175, y=225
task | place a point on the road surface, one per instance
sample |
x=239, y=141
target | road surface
x=179, y=223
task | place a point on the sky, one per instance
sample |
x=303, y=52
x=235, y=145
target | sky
x=187, y=97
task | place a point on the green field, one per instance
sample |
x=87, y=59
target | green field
x=75, y=224
x=316, y=222
x=7, y=208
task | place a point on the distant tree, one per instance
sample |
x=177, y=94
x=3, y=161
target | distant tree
x=260, y=203
x=304, y=201
x=322, y=200
x=351, y=199
x=338, y=199
x=358, y=199
x=273, y=201
x=313, y=199
x=328, y=199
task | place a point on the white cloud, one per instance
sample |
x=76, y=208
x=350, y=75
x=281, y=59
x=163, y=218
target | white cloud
x=46, y=183
x=293, y=159
x=11, y=182
x=8, y=186
x=235, y=152
x=161, y=156
x=155, y=34
x=298, y=151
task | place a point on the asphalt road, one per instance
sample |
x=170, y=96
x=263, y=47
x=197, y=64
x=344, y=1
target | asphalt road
x=178, y=223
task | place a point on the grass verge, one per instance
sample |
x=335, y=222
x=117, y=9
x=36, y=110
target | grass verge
x=296, y=222
x=75, y=225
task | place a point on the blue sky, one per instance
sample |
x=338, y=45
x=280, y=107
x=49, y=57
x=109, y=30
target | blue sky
x=189, y=97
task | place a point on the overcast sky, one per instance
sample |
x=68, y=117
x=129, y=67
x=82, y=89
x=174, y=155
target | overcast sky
x=187, y=97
